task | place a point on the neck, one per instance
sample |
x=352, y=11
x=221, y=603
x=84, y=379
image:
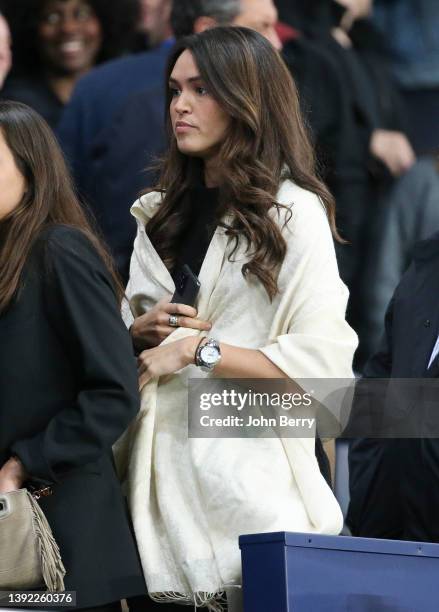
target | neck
x=63, y=86
x=211, y=173
x=342, y=37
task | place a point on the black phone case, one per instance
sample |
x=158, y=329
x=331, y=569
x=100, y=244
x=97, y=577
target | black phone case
x=187, y=287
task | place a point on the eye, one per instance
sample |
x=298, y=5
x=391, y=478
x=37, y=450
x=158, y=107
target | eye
x=52, y=18
x=174, y=92
x=202, y=91
x=83, y=13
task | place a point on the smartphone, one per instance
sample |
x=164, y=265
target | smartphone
x=187, y=287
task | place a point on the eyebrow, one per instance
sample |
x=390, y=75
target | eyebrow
x=191, y=80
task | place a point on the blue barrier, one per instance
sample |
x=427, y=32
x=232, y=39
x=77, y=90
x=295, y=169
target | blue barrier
x=297, y=572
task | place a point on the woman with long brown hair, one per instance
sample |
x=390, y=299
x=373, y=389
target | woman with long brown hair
x=68, y=384
x=238, y=201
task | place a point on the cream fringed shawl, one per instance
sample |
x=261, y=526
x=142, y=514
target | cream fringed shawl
x=190, y=499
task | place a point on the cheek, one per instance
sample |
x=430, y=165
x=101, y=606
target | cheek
x=18, y=182
x=13, y=188
x=216, y=118
x=5, y=52
x=172, y=113
x=46, y=34
x=222, y=123
x=93, y=31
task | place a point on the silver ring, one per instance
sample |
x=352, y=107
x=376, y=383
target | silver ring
x=173, y=320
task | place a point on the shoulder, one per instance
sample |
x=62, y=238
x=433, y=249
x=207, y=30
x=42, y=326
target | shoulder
x=304, y=224
x=17, y=84
x=109, y=70
x=146, y=206
x=71, y=263
x=144, y=103
x=26, y=89
x=59, y=238
x=109, y=73
x=302, y=206
x=66, y=248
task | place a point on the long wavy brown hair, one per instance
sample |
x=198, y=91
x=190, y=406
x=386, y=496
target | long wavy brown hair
x=49, y=199
x=265, y=143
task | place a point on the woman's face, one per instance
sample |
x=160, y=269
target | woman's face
x=12, y=182
x=70, y=36
x=198, y=121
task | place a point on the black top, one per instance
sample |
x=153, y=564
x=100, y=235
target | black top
x=201, y=205
x=36, y=93
x=68, y=390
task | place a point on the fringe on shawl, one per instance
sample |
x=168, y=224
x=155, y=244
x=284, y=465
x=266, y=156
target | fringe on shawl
x=52, y=567
x=214, y=602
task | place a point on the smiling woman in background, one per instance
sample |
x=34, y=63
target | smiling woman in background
x=58, y=41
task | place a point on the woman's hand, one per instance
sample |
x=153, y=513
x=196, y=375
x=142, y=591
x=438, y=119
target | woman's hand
x=153, y=327
x=166, y=359
x=12, y=475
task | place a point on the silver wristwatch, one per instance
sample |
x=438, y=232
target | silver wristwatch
x=208, y=355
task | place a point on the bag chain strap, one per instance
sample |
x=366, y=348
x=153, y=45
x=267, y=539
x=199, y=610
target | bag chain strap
x=43, y=492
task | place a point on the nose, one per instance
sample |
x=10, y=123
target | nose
x=69, y=24
x=182, y=104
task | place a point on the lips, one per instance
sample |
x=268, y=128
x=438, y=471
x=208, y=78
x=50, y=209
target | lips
x=182, y=127
x=71, y=47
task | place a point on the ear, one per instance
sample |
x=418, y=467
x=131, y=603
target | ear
x=204, y=23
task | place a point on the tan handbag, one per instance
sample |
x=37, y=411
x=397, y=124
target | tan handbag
x=29, y=555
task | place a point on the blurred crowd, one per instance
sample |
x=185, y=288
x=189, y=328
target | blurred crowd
x=368, y=78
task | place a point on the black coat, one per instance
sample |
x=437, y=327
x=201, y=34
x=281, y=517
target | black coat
x=394, y=483
x=36, y=93
x=68, y=390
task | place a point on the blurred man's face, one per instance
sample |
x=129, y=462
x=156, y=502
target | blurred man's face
x=5, y=50
x=155, y=19
x=260, y=15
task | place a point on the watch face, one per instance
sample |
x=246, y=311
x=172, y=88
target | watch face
x=209, y=354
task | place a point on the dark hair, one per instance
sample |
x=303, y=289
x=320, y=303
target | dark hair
x=266, y=143
x=118, y=19
x=315, y=17
x=49, y=197
x=186, y=12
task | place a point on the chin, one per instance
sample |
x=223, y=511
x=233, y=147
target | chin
x=190, y=151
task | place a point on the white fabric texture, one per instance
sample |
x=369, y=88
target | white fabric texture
x=190, y=499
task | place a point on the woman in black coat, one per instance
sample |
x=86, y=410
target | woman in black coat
x=68, y=380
